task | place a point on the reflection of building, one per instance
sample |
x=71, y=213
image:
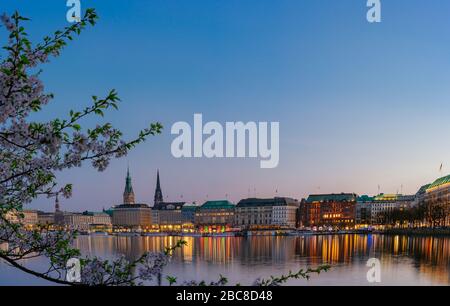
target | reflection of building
x=436, y=200
x=364, y=210
x=131, y=215
x=215, y=216
x=329, y=210
x=386, y=203
x=266, y=213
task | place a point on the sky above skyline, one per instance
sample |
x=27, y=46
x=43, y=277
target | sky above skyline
x=359, y=104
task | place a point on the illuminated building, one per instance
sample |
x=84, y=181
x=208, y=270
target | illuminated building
x=30, y=218
x=131, y=215
x=215, y=216
x=77, y=221
x=364, y=210
x=275, y=213
x=100, y=221
x=88, y=221
x=188, y=216
x=45, y=218
x=329, y=210
x=385, y=203
x=167, y=216
x=436, y=201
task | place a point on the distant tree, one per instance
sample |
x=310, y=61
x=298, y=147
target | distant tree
x=436, y=214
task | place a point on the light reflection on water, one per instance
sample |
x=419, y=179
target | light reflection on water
x=405, y=260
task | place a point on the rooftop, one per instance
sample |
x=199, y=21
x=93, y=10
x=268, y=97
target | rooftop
x=223, y=204
x=393, y=197
x=365, y=198
x=439, y=182
x=137, y=205
x=423, y=189
x=277, y=201
x=168, y=205
x=189, y=207
x=333, y=197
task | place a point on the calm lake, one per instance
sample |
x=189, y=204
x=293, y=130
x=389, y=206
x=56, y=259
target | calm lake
x=404, y=260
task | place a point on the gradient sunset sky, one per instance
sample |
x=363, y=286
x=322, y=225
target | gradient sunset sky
x=359, y=104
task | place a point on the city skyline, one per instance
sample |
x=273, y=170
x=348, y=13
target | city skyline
x=359, y=104
x=129, y=196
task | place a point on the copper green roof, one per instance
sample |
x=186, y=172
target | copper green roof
x=217, y=205
x=386, y=197
x=440, y=181
x=189, y=207
x=338, y=197
x=128, y=186
x=365, y=198
x=423, y=189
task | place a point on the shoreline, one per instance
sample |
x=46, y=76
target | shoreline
x=389, y=232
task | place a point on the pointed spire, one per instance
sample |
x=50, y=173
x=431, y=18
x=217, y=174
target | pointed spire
x=57, y=209
x=158, y=193
x=158, y=186
x=128, y=193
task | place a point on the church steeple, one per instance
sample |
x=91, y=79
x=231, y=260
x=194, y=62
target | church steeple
x=59, y=215
x=158, y=192
x=128, y=194
x=57, y=209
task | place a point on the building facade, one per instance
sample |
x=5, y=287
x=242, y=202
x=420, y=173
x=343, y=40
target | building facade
x=167, y=216
x=188, y=212
x=30, y=218
x=131, y=215
x=285, y=212
x=46, y=218
x=77, y=221
x=436, y=201
x=384, y=204
x=261, y=214
x=215, y=216
x=331, y=210
x=363, y=216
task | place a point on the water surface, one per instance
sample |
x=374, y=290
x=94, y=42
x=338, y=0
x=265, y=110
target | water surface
x=404, y=260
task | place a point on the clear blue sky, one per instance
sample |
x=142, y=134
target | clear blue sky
x=359, y=104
